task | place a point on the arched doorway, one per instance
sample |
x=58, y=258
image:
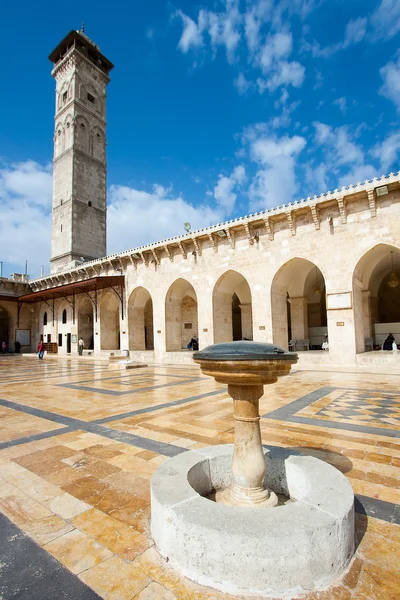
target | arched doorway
x=64, y=318
x=109, y=322
x=140, y=320
x=85, y=322
x=298, y=301
x=181, y=320
x=232, y=311
x=376, y=297
x=4, y=325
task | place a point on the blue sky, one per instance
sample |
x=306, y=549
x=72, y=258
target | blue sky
x=214, y=110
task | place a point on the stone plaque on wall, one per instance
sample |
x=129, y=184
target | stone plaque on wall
x=339, y=301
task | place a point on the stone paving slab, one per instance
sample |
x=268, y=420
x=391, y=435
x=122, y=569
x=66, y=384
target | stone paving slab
x=78, y=448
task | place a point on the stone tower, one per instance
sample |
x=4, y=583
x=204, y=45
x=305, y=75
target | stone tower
x=79, y=175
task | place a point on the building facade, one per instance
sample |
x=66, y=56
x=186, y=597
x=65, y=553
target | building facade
x=324, y=267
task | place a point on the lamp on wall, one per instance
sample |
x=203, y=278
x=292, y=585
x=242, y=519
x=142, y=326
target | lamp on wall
x=393, y=279
x=317, y=289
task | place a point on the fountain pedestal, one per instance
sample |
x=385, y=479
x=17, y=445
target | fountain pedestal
x=246, y=367
x=244, y=543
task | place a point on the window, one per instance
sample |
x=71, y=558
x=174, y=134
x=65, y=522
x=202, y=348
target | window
x=60, y=339
x=89, y=203
x=65, y=96
x=91, y=98
x=64, y=316
x=45, y=318
x=61, y=228
x=83, y=125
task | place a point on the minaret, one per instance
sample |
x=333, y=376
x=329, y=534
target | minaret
x=79, y=174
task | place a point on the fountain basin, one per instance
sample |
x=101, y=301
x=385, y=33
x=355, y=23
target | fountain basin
x=300, y=547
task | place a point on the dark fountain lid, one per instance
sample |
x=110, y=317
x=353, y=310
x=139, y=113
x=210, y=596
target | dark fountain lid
x=244, y=350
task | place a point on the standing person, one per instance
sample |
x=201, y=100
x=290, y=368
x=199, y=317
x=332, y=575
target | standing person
x=81, y=345
x=40, y=350
x=4, y=346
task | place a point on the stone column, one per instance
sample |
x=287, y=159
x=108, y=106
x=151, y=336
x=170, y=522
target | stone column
x=299, y=317
x=248, y=464
x=247, y=321
x=366, y=305
x=222, y=317
x=205, y=316
x=279, y=319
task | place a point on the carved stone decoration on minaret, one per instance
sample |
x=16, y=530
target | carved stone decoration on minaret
x=79, y=171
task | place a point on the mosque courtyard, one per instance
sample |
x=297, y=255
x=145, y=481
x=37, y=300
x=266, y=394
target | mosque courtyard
x=79, y=443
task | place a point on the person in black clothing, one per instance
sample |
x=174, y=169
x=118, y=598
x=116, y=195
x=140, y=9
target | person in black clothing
x=193, y=344
x=388, y=343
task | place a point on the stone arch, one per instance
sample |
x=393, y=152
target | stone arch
x=298, y=301
x=58, y=138
x=181, y=317
x=98, y=143
x=140, y=320
x=85, y=322
x=376, y=304
x=82, y=130
x=4, y=325
x=110, y=338
x=232, y=308
x=68, y=126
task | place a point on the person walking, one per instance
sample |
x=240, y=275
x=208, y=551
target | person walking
x=81, y=345
x=40, y=350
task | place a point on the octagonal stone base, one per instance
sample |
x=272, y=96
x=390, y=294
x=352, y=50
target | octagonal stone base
x=292, y=549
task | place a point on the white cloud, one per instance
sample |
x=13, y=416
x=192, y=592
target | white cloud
x=223, y=29
x=25, y=223
x=338, y=144
x=342, y=104
x=317, y=178
x=359, y=173
x=390, y=74
x=355, y=31
x=242, y=84
x=344, y=156
x=386, y=19
x=387, y=152
x=223, y=191
x=275, y=182
x=136, y=217
x=192, y=34
x=267, y=52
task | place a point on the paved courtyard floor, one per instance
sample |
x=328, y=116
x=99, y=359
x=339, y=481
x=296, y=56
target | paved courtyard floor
x=79, y=443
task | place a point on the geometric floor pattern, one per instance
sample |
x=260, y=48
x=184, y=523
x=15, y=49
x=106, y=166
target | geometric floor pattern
x=371, y=407
x=79, y=444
